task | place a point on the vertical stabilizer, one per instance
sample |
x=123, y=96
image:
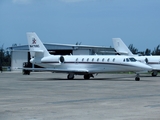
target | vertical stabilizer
x=36, y=47
x=120, y=46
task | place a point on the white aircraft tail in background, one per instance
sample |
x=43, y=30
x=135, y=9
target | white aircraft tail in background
x=153, y=61
x=120, y=47
x=86, y=65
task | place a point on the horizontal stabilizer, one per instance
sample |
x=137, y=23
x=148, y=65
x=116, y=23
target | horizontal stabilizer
x=41, y=51
x=123, y=52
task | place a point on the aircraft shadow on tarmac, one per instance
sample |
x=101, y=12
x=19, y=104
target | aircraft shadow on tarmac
x=114, y=78
x=131, y=78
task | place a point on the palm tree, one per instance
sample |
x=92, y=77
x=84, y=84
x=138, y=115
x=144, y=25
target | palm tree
x=156, y=51
x=133, y=49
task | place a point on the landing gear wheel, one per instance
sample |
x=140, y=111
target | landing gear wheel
x=70, y=76
x=26, y=72
x=154, y=73
x=87, y=77
x=137, y=79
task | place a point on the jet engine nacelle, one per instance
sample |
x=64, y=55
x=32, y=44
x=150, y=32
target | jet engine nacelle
x=54, y=59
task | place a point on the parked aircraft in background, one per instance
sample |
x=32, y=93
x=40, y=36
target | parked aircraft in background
x=153, y=61
x=86, y=65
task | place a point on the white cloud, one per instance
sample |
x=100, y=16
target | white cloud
x=21, y=1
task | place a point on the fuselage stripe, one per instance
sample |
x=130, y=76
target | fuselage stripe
x=89, y=63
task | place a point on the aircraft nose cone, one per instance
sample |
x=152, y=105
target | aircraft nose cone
x=146, y=67
x=149, y=68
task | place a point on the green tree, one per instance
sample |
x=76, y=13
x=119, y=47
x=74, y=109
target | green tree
x=5, y=57
x=133, y=49
x=156, y=51
x=1, y=56
x=147, y=52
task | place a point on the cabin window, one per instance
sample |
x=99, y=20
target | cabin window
x=61, y=59
x=113, y=59
x=97, y=59
x=82, y=59
x=92, y=59
x=103, y=59
x=124, y=60
x=87, y=59
x=76, y=59
x=108, y=59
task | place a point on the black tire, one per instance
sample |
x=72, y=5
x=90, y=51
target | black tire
x=154, y=74
x=137, y=79
x=69, y=77
x=87, y=77
x=28, y=72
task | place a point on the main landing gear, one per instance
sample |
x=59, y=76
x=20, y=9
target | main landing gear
x=70, y=76
x=86, y=76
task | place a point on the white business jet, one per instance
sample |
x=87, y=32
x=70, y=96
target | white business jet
x=86, y=65
x=153, y=61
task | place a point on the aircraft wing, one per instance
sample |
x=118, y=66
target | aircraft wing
x=57, y=70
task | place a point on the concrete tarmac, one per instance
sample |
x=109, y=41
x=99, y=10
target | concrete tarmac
x=50, y=96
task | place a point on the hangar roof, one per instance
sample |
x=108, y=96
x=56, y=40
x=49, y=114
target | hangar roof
x=57, y=46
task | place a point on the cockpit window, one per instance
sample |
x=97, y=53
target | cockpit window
x=127, y=60
x=132, y=59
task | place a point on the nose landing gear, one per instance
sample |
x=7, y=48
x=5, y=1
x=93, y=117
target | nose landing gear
x=137, y=78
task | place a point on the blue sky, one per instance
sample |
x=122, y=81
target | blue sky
x=91, y=22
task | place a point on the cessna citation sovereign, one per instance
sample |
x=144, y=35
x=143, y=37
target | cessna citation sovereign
x=153, y=61
x=86, y=65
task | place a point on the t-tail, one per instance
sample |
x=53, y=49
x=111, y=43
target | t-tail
x=36, y=47
x=120, y=47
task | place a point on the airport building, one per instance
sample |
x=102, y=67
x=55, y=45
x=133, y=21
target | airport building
x=20, y=54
